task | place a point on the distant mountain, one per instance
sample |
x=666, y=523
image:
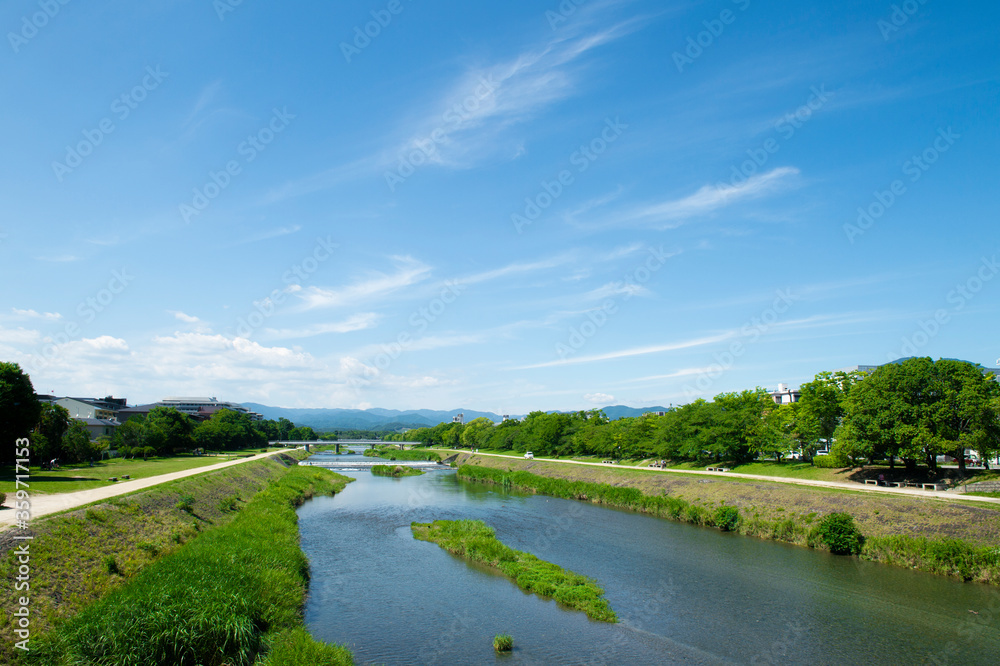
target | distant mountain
x=393, y=419
x=365, y=419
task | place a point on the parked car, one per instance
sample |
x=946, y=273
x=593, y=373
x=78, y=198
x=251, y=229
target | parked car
x=529, y=455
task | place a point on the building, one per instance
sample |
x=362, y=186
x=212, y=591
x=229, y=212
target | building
x=458, y=418
x=100, y=427
x=784, y=395
x=203, y=408
x=91, y=408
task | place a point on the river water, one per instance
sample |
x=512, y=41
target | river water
x=684, y=594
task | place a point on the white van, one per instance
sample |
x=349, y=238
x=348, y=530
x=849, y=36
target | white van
x=529, y=455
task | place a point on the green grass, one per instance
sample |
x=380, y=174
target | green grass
x=72, y=478
x=476, y=541
x=225, y=598
x=984, y=494
x=82, y=554
x=395, y=471
x=391, y=453
x=503, y=642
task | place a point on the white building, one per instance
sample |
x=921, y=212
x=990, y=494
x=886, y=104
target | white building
x=784, y=395
x=202, y=408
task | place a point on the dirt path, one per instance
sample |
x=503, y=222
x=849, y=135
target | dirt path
x=840, y=485
x=43, y=505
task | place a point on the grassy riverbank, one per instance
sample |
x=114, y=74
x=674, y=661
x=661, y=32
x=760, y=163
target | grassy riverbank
x=475, y=540
x=903, y=531
x=392, y=453
x=395, y=471
x=231, y=596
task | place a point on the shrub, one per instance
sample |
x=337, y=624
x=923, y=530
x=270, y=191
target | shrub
x=111, y=565
x=727, y=518
x=838, y=532
x=227, y=504
x=829, y=462
x=186, y=503
x=503, y=643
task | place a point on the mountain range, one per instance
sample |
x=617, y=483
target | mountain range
x=394, y=419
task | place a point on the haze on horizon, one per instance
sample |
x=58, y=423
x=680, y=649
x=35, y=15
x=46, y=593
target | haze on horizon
x=505, y=207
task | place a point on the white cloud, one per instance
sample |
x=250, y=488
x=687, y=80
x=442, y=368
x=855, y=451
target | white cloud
x=356, y=322
x=408, y=271
x=708, y=199
x=599, y=398
x=186, y=318
x=31, y=314
x=634, y=351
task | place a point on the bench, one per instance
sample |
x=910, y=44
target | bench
x=125, y=477
x=935, y=486
x=871, y=482
x=113, y=479
x=722, y=469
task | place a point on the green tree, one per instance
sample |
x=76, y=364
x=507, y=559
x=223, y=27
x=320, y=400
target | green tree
x=19, y=409
x=821, y=407
x=53, y=423
x=168, y=430
x=77, y=445
x=476, y=433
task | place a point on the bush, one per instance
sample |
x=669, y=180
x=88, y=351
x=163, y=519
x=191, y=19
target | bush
x=727, y=518
x=227, y=504
x=838, y=532
x=186, y=503
x=829, y=462
x=503, y=642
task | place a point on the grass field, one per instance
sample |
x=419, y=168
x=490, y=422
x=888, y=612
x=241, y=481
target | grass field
x=71, y=478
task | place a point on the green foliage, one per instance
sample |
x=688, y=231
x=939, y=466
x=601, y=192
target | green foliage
x=297, y=648
x=186, y=503
x=111, y=565
x=395, y=471
x=230, y=503
x=503, y=642
x=830, y=462
x=727, y=518
x=392, y=453
x=838, y=532
x=476, y=541
x=19, y=409
x=949, y=557
x=223, y=598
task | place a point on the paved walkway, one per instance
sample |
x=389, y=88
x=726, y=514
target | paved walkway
x=43, y=505
x=840, y=485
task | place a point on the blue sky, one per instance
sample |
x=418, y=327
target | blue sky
x=500, y=206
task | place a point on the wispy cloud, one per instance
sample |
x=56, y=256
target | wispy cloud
x=32, y=314
x=516, y=269
x=408, y=271
x=186, y=318
x=356, y=322
x=634, y=351
x=708, y=199
x=272, y=233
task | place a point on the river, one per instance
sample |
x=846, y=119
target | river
x=684, y=594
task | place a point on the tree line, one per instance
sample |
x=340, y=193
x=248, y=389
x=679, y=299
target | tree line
x=164, y=431
x=912, y=412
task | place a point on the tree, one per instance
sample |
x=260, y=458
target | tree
x=821, y=407
x=168, y=430
x=52, y=426
x=77, y=445
x=965, y=415
x=476, y=433
x=19, y=409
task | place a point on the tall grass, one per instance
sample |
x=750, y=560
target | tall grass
x=220, y=599
x=475, y=540
x=395, y=470
x=395, y=454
